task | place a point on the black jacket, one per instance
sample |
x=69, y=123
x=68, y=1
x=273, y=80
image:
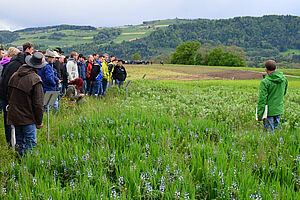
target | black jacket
x=17, y=61
x=95, y=71
x=119, y=73
x=59, y=68
x=65, y=74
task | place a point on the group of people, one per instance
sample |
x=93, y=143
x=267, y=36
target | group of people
x=27, y=74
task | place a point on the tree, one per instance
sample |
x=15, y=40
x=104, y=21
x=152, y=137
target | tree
x=218, y=57
x=185, y=53
x=136, y=56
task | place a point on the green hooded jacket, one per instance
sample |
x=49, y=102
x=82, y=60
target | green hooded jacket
x=271, y=92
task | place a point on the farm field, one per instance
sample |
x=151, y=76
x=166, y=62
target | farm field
x=191, y=72
x=167, y=140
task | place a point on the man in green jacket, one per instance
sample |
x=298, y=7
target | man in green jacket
x=271, y=93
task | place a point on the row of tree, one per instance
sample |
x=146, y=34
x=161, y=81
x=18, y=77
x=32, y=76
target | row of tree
x=191, y=53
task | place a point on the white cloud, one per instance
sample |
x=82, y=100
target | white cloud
x=4, y=25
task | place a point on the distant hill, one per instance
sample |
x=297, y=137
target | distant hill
x=57, y=28
x=260, y=37
x=70, y=35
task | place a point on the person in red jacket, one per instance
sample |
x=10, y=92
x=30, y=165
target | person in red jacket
x=88, y=73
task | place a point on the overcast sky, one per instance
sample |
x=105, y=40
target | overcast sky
x=16, y=14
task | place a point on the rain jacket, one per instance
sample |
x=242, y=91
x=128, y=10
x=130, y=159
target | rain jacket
x=105, y=71
x=26, y=97
x=111, y=68
x=82, y=70
x=48, y=78
x=4, y=61
x=271, y=92
x=72, y=69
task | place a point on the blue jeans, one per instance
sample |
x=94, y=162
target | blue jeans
x=25, y=138
x=96, y=88
x=271, y=123
x=3, y=103
x=119, y=83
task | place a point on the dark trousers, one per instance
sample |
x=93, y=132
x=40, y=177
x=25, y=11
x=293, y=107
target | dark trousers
x=7, y=127
x=104, y=86
x=64, y=88
x=88, y=86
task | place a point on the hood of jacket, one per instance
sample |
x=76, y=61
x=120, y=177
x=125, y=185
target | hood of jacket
x=25, y=70
x=20, y=57
x=5, y=60
x=276, y=77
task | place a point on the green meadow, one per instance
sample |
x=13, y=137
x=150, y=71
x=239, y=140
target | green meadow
x=166, y=140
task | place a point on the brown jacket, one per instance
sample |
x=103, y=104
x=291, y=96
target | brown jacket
x=25, y=97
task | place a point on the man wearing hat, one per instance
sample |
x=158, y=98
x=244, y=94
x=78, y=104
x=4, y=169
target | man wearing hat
x=49, y=75
x=25, y=102
x=59, y=64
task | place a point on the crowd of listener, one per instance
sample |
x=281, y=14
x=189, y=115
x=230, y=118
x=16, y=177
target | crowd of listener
x=27, y=74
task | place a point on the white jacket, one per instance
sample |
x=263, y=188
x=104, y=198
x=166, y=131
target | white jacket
x=72, y=70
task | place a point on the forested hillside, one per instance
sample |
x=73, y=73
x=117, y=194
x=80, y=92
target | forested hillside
x=261, y=37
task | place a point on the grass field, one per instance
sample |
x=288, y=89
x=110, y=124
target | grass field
x=167, y=140
x=291, y=52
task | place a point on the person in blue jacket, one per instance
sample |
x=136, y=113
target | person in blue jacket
x=82, y=69
x=96, y=77
x=49, y=75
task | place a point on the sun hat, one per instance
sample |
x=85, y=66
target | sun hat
x=35, y=61
x=52, y=54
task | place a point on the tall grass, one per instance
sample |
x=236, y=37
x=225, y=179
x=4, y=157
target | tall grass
x=164, y=142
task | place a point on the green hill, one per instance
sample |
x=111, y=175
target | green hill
x=70, y=35
x=261, y=37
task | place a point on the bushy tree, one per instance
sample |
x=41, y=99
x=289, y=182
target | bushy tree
x=136, y=56
x=218, y=57
x=185, y=53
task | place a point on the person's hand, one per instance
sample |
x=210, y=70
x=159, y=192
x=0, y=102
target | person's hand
x=260, y=119
x=39, y=126
x=81, y=95
x=59, y=81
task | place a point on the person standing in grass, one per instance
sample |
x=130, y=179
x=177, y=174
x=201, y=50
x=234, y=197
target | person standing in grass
x=25, y=103
x=119, y=73
x=271, y=93
x=96, y=78
x=15, y=63
x=88, y=73
x=105, y=73
x=72, y=67
x=82, y=69
x=111, y=67
x=49, y=75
